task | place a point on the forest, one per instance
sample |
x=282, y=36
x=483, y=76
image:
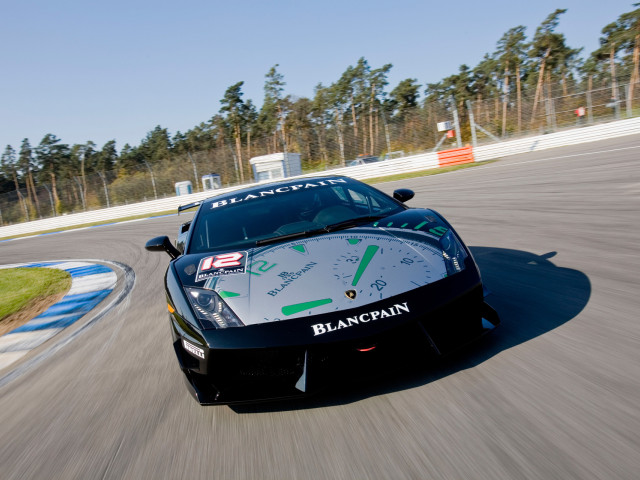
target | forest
x=527, y=85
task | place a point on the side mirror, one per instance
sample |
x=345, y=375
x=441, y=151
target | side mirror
x=403, y=194
x=159, y=244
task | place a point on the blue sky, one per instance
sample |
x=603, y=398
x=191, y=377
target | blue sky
x=114, y=70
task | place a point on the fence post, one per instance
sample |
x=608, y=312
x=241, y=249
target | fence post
x=589, y=104
x=386, y=130
x=195, y=172
x=235, y=162
x=444, y=137
x=456, y=121
x=24, y=205
x=474, y=138
x=153, y=179
x=104, y=184
x=84, y=203
x=53, y=208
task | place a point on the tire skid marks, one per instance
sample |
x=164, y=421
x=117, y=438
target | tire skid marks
x=90, y=284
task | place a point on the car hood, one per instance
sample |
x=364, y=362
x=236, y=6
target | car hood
x=324, y=273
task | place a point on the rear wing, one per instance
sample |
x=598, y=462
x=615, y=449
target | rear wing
x=189, y=206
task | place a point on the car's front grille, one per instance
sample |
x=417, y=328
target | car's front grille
x=267, y=362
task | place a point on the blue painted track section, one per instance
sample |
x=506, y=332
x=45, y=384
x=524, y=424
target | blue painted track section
x=91, y=283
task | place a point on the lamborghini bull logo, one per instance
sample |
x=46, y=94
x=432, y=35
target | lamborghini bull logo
x=397, y=309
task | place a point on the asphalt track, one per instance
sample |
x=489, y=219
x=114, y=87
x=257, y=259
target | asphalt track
x=553, y=393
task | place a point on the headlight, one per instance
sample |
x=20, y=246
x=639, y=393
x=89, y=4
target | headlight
x=211, y=309
x=452, y=252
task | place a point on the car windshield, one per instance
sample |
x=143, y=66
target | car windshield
x=265, y=214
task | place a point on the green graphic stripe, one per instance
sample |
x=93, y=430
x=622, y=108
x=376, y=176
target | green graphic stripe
x=225, y=294
x=420, y=225
x=366, y=259
x=440, y=231
x=301, y=307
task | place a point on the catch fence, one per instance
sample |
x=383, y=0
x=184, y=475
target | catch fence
x=333, y=143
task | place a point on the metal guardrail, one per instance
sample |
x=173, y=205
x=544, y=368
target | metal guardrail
x=558, y=139
x=400, y=165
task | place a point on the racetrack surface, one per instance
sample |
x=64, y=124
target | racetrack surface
x=553, y=393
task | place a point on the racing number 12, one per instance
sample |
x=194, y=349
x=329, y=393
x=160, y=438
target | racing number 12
x=222, y=261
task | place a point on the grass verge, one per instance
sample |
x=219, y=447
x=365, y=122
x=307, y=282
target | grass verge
x=22, y=287
x=423, y=173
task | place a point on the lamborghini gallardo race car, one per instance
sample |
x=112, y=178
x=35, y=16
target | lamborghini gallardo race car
x=273, y=288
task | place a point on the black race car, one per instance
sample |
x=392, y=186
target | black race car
x=273, y=288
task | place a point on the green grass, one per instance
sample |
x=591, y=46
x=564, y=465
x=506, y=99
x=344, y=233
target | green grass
x=371, y=181
x=19, y=286
x=423, y=173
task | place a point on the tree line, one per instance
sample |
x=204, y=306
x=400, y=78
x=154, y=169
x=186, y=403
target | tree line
x=508, y=91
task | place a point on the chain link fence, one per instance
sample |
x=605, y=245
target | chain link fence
x=333, y=144
x=510, y=117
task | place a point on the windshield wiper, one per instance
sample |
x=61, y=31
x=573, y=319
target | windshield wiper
x=326, y=229
x=290, y=236
x=352, y=222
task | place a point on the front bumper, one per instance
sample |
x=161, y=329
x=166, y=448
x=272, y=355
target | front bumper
x=241, y=371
